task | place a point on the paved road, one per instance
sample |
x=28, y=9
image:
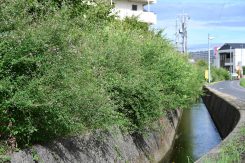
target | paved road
x=232, y=88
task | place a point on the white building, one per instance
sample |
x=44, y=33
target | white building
x=136, y=8
x=231, y=56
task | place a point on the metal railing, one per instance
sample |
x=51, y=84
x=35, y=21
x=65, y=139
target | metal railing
x=228, y=62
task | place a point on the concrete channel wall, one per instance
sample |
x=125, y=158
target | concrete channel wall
x=224, y=114
x=228, y=115
x=106, y=146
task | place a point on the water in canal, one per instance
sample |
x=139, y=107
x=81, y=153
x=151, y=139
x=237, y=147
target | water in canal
x=196, y=135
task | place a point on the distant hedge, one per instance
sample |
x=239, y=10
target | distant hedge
x=217, y=74
x=69, y=66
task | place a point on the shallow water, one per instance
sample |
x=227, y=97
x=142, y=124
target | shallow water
x=196, y=135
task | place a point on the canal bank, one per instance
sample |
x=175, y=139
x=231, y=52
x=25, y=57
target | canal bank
x=107, y=146
x=102, y=146
x=228, y=114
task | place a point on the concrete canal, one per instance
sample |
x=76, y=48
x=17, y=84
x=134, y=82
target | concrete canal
x=196, y=135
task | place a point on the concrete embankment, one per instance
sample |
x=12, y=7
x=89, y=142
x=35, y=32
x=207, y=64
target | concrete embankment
x=228, y=114
x=106, y=146
x=222, y=110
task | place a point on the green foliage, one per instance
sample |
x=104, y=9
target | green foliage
x=35, y=156
x=232, y=151
x=242, y=82
x=132, y=23
x=217, y=74
x=68, y=67
x=3, y=151
x=202, y=64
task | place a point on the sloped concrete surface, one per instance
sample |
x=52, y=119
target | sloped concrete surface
x=106, y=146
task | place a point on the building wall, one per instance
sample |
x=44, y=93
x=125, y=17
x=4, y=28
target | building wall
x=217, y=60
x=126, y=5
x=239, y=57
x=124, y=9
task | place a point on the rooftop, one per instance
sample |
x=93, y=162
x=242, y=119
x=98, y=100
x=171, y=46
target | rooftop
x=227, y=46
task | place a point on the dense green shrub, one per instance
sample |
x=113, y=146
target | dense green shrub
x=217, y=74
x=69, y=66
x=242, y=82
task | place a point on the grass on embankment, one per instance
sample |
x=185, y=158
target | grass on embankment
x=232, y=151
x=242, y=82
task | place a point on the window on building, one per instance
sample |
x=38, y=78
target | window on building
x=134, y=7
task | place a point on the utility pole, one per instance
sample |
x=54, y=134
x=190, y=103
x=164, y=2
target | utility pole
x=241, y=53
x=209, y=70
x=148, y=5
x=241, y=60
x=181, y=30
x=177, y=34
x=230, y=64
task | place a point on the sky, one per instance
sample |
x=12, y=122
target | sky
x=222, y=19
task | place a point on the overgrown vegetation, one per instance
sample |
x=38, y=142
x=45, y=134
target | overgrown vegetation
x=232, y=151
x=242, y=82
x=69, y=66
x=3, y=150
x=217, y=74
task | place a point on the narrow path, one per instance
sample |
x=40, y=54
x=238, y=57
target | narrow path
x=232, y=88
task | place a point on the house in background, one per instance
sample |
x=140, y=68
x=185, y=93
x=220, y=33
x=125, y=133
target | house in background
x=135, y=8
x=231, y=56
